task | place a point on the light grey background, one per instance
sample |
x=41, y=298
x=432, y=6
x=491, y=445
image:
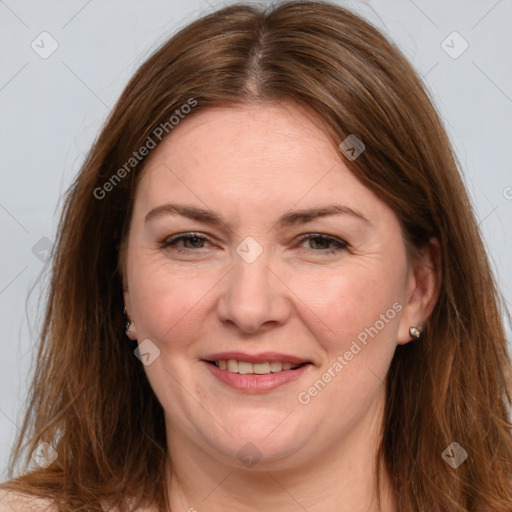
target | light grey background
x=52, y=108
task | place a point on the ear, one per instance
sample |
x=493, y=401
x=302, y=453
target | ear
x=131, y=332
x=422, y=289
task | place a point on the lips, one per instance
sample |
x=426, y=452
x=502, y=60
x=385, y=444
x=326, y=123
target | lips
x=245, y=367
x=254, y=383
x=264, y=357
x=255, y=373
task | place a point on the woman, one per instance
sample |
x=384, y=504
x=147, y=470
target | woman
x=270, y=292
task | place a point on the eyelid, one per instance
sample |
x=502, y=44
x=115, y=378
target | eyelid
x=330, y=238
x=338, y=242
x=179, y=236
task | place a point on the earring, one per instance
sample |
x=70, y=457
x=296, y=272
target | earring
x=415, y=332
x=128, y=324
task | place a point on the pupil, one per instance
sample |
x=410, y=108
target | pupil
x=318, y=242
x=194, y=241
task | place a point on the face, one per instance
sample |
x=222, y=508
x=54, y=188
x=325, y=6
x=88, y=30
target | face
x=252, y=250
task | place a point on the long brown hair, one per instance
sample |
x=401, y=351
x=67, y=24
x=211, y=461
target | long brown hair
x=90, y=398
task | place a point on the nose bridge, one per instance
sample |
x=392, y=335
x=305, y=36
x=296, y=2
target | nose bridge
x=252, y=296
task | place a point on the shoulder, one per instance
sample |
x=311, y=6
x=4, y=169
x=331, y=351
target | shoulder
x=14, y=502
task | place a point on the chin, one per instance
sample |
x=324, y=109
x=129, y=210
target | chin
x=257, y=446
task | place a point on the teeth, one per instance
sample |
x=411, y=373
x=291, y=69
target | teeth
x=276, y=366
x=261, y=368
x=245, y=368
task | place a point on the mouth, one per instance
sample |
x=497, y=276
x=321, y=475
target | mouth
x=255, y=373
x=248, y=368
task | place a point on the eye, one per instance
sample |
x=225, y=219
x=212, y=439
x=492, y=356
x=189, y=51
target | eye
x=323, y=243
x=185, y=241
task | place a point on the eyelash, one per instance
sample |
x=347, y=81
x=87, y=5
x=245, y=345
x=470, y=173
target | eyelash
x=339, y=244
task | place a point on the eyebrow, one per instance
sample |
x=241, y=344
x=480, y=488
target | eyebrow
x=288, y=219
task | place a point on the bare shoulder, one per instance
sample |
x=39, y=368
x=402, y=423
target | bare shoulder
x=14, y=502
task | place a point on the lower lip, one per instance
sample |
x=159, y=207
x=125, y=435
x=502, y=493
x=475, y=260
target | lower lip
x=251, y=383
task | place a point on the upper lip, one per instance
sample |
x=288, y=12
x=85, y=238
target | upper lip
x=256, y=358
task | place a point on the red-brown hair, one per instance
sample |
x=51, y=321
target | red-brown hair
x=90, y=398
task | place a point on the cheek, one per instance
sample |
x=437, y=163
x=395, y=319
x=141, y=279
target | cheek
x=359, y=302
x=354, y=316
x=166, y=299
x=354, y=313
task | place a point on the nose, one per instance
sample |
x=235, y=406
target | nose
x=253, y=297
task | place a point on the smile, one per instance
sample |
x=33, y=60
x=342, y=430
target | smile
x=247, y=368
x=264, y=373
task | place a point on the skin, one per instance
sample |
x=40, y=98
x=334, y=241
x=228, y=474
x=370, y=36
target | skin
x=251, y=164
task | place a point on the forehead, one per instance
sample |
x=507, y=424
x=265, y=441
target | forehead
x=260, y=136
x=251, y=155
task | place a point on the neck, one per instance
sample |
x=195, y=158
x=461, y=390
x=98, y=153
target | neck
x=340, y=479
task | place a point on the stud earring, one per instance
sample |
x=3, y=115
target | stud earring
x=415, y=332
x=129, y=324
